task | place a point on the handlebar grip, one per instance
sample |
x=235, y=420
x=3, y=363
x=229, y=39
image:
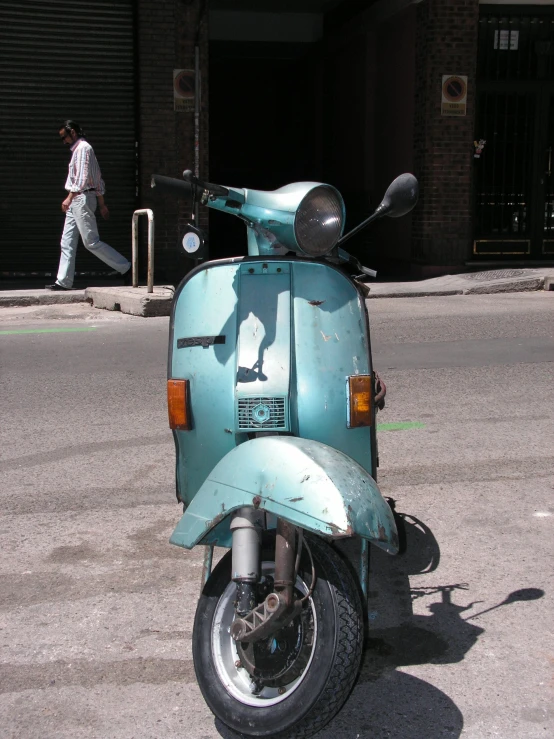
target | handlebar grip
x=172, y=186
x=217, y=190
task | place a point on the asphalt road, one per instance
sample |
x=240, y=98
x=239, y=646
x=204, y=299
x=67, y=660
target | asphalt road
x=96, y=607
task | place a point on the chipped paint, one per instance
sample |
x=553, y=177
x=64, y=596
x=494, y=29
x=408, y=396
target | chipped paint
x=217, y=519
x=338, y=498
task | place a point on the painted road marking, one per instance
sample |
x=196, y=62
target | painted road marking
x=48, y=330
x=400, y=426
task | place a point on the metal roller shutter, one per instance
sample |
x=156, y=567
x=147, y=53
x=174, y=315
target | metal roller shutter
x=63, y=60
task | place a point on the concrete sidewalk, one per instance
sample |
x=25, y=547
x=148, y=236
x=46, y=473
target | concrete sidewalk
x=469, y=283
x=136, y=301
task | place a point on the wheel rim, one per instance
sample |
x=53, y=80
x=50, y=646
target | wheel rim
x=286, y=657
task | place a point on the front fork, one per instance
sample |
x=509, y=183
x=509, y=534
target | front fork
x=246, y=527
x=255, y=621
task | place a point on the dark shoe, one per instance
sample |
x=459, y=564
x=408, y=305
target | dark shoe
x=55, y=286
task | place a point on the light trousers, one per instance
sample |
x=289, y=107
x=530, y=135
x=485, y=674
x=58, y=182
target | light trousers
x=81, y=221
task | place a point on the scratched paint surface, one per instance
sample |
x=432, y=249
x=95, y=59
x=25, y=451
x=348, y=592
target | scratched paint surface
x=330, y=343
x=319, y=488
x=324, y=340
x=211, y=372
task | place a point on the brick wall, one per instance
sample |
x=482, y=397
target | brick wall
x=446, y=43
x=166, y=34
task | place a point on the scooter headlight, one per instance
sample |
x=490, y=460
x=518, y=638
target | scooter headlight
x=319, y=221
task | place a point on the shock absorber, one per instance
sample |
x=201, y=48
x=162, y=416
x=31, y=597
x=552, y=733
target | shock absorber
x=246, y=527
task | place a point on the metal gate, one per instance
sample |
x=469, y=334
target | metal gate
x=62, y=60
x=514, y=135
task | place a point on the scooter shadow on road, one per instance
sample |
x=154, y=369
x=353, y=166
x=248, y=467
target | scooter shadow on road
x=386, y=702
x=397, y=637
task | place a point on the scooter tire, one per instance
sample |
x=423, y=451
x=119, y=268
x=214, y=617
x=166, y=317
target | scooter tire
x=327, y=679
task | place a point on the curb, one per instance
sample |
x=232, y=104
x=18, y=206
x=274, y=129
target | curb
x=523, y=284
x=137, y=302
x=133, y=300
x=43, y=298
x=414, y=294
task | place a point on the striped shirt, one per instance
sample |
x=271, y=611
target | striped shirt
x=84, y=171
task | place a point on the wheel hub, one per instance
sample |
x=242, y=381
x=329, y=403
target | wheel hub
x=281, y=658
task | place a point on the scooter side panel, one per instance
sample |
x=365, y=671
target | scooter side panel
x=305, y=482
x=331, y=342
x=205, y=306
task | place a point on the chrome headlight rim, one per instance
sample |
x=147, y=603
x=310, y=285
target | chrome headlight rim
x=307, y=219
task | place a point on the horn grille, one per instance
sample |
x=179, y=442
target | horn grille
x=259, y=413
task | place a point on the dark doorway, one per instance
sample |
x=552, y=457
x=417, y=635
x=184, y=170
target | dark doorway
x=514, y=135
x=262, y=124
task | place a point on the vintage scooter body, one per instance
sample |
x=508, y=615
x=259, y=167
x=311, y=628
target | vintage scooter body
x=269, y=348
x=272, y=400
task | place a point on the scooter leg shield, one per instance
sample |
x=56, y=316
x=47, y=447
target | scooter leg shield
x=309, y=484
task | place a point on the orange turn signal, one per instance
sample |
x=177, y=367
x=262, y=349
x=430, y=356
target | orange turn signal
x=178, y=405
x=359, y=398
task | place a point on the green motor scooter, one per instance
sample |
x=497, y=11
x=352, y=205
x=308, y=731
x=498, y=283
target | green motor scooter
x=272, y=400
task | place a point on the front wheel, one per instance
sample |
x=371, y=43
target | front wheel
x=303, y=673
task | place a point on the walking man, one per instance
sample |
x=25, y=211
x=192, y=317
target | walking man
x=85, y=188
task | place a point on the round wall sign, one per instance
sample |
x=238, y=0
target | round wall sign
x=191, y=242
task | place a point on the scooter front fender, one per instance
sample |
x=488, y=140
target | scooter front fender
x=309, y=484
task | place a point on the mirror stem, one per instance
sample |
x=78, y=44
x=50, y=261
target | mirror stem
x=379, y=213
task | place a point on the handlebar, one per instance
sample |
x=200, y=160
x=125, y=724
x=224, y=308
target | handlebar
x=185, y=188
x=172, y=185
x=217, y=190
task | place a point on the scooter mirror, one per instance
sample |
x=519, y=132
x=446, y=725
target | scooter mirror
x=400, y=197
